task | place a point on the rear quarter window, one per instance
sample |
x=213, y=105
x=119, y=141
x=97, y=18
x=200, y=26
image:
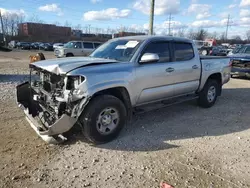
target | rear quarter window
x=88, y=45
x=183, y=51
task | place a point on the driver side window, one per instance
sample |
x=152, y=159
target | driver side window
x=160, y=48
x=78, y=45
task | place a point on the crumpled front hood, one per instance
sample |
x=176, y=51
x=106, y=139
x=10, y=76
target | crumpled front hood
x=65, y=65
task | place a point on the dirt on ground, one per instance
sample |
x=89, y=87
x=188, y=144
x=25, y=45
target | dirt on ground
x=183, y=145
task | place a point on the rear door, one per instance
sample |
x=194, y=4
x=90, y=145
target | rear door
x=88, y=48
x=187, y=68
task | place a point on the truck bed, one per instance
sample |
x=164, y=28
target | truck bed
x=213, y=57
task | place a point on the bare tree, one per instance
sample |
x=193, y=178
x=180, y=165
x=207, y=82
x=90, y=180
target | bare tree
x=191, y=34
x=223, y=37
x=56, y=23
x=35, y=19
x=181, y=32
x=201, y=34
x=236, y=39
x=213, y=35
x=67, y=24
x=77, y=27
x=11, y=22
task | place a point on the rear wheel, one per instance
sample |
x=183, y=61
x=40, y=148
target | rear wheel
x=103, y=119
x=209, y=94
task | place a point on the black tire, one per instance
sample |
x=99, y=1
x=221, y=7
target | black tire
x=203, y=95
x=41, y=55
x=90, y=115
x=69, y=55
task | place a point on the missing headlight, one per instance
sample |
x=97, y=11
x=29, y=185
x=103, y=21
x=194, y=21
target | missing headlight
x=74, y=81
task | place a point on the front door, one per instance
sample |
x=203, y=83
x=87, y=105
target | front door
x=78, y=49
x=154, y=81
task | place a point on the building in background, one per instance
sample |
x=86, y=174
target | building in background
x=76, y=33
x=44, y=31
x=124, y=34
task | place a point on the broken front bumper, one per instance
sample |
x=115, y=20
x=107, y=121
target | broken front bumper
x=32, y=108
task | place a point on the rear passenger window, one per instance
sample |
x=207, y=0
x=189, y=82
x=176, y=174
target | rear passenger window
x=96, y=45
x=88, y=45
x=160, y=48
x=183, y=51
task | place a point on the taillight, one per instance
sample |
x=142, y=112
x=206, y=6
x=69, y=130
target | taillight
x=210, y=52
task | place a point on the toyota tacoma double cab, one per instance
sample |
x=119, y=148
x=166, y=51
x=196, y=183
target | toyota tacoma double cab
x=123, y=76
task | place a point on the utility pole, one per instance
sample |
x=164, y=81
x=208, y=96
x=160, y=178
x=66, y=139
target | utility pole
x=227, y=26
x=89, y=28
x=1, y=18
x=151, y=21
x=169, y=24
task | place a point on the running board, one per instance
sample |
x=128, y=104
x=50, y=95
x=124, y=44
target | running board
x=162, y=104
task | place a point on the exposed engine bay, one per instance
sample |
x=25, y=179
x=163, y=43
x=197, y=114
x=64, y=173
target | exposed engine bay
x=54, y=101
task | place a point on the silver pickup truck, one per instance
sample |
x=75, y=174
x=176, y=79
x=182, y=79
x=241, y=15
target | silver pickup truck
x=123, y=76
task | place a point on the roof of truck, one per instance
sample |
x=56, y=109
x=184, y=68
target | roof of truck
x=148, y=37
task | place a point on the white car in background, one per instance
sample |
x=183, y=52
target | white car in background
x=56, y=45
x=76, y=48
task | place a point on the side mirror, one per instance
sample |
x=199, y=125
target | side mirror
x=149, y=58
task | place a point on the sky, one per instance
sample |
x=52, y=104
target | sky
x=211, y=15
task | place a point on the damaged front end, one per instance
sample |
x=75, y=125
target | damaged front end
x=52, y=103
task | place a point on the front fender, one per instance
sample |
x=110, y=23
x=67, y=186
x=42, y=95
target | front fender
x=108, y=85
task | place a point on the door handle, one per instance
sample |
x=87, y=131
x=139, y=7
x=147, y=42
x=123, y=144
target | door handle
x=170, y=69
x=195, y=67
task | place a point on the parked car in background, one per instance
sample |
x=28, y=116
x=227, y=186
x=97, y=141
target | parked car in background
x=235, y=50
x=241, y=62
x=35, y=45
x=76, y=48
x=57, y=45
x=48, y=47
x=41, y=46
x=23, y=45
x=12, y=44
x=218, y=51
x=123, y=76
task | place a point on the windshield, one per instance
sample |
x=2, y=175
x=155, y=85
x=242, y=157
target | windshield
x=120, y=50
x=241, y=50
x=70, y=45
x=236, y=50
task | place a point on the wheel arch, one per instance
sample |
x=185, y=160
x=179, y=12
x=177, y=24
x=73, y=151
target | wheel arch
x=119, y=92
x=218, y=78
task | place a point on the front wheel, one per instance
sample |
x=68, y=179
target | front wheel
x=103, y=119
x=209, y=94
